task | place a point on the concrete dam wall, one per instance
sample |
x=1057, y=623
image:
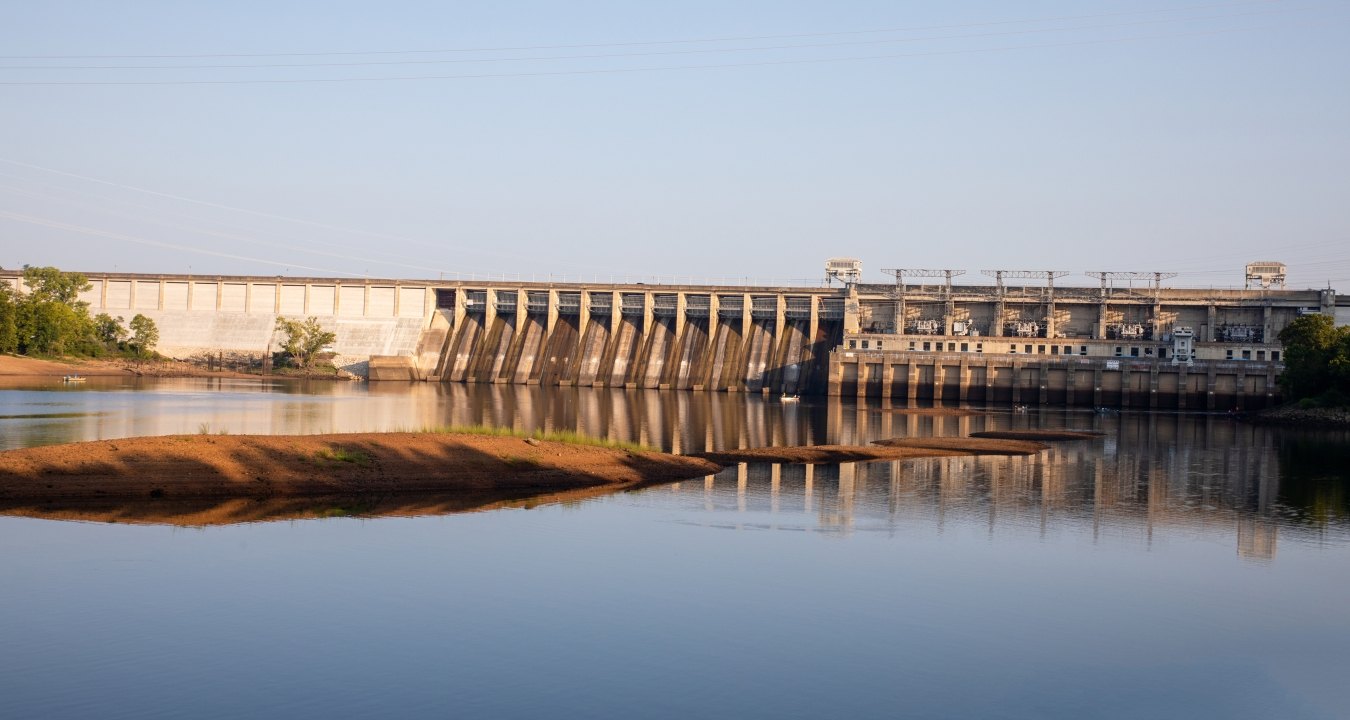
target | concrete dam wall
x=628, y=336
x=236, y=316
x=738, y=339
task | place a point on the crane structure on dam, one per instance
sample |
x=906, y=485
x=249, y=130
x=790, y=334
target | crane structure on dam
x=932, y=316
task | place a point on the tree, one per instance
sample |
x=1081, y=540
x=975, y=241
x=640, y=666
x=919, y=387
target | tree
x=144, y=334
x=52, y=328
x=110, y=331
x=48, y=284
x=302, y=340
x=9, y=319
x=1316, y=359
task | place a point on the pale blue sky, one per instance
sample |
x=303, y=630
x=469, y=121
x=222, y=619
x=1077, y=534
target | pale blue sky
x=1090, y=135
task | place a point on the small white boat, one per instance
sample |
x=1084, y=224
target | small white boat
x=789, y=398
x=72, y=379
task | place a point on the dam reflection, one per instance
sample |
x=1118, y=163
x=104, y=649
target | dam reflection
x=1149, y=473
x=1144, y=494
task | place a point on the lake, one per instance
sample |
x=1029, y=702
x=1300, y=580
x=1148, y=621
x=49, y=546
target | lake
x=1179, y=567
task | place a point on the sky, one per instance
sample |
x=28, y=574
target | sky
x=694, y=141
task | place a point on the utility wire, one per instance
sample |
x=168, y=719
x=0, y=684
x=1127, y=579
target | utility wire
x=439, y=246
x=615, y=71
x=228, y=236
x=696, y=51
x=740, y=38
x=56, y=225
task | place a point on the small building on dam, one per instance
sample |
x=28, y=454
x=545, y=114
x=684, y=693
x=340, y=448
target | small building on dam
x=1129, y=342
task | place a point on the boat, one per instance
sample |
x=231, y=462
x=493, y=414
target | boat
x=789, y=398
x=72, y=379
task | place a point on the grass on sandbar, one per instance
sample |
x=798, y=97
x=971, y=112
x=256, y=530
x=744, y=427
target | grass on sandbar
x=355, y=457
x=560, y=436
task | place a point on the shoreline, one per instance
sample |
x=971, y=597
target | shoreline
x=271, y=466
x=1315, y=418
x=20, y=367
x=241, y=478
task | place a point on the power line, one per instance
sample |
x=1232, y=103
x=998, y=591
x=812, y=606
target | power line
x=615, y=71
x=231, y=236
x=444, y=61
x=441, y=246
x=57, y=225
x=741, y=38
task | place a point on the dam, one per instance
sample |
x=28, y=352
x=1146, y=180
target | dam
x=1035, y=344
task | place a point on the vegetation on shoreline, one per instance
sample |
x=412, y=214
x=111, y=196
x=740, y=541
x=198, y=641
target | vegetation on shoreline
x=560, y=436
x=303, y=344
x=1317, y=363
x=48, y=319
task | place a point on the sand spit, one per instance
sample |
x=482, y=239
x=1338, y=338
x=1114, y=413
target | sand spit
x=371, y=464
x=196, y=480
x=1039, y=435
x=966, y=445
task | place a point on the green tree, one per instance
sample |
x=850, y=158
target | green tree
x=144, y=335
x=52, y=328
x=1316, y=359
x=47, y=316
x=48, y=284
x=303, y=340
x=109, y=330
x=9, y=319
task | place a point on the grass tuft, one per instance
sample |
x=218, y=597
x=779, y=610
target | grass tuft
x=355, y=457
x=567, y=437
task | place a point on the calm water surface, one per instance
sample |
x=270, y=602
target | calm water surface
x=1180, y=567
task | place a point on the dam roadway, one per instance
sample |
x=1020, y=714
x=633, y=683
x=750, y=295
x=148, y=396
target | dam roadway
x=1026, y=345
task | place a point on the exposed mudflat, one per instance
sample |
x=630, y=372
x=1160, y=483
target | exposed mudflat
x=368, y=464
x=1040, y=435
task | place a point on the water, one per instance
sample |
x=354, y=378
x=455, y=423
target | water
x=1181, y=567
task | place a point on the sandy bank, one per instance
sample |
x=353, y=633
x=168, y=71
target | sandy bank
x=243, y=466
x=18, y=366
x=1040, y=435
x=15, y=366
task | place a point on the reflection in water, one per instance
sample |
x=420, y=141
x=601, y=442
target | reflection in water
x=1204, y=475
x=1072, y=490
x=199, y=512
x=1180, y=566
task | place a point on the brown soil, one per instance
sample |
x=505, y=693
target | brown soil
x=372, y=464
x=17, y=366
x=12, y=365
x=1042, y=435
x=967, y=445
